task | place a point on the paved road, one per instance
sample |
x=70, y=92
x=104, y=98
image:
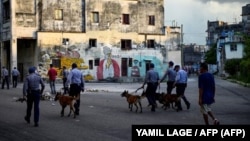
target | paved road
x=104, y=114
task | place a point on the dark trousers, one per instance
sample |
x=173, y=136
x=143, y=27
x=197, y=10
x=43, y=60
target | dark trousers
x=33, y=97
x=5, y=80
x=180, y=90
x=75, y=90
x=170, y=87
x=151, y=94
x=52, y=86
x=65, y=88
x=14, y=81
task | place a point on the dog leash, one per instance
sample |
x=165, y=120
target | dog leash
x=159, y=87
x=138, y=89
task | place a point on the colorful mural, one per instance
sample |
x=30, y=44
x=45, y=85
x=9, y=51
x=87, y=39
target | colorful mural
x=102, y=62
x=108, y=68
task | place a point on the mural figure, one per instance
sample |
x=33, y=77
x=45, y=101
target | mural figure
x=108, y=67
x=135, y=71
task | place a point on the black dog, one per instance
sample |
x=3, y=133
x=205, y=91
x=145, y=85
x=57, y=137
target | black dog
x=21, y=99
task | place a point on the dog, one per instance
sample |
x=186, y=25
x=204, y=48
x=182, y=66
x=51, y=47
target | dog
x=46, y=96
x=133, y=100
x=64, y=101
x=158, y=97
x=21, y=99
x=170, y=100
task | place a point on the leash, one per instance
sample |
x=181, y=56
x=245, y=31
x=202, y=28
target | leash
x=138, y=89
x=159, y=87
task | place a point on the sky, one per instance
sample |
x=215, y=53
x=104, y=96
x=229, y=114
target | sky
x=194, y=15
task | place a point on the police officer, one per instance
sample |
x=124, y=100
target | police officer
x=151, y=79
x=181, y=84
x=15, y=74
x=32, y=92
x=76, y=81
x=5, y=77
x=65, y=74
x=170, y=73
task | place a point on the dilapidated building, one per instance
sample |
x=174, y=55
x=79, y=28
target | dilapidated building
x=108, y=39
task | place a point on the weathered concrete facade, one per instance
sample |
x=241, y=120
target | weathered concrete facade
x=109, y=39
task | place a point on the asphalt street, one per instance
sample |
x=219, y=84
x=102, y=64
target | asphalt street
x=104, y=114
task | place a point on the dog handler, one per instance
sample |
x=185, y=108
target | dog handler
x=32, y=92
x=76, y=81
x=171, y=74
x=151, y=79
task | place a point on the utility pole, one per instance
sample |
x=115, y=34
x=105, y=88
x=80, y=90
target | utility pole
x=181, y=45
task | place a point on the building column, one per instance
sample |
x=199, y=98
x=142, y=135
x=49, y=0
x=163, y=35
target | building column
x=13, y=53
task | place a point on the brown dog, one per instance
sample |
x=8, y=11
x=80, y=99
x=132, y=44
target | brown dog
x=170, y=100
x=65, y=100
x=132, y=100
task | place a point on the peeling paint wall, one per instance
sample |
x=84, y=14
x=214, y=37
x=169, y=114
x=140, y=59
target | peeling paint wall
x=40, y=27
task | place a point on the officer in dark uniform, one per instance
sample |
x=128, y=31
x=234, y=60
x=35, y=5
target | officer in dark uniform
x=32, y=92
x=76, y=81
x=151, y=79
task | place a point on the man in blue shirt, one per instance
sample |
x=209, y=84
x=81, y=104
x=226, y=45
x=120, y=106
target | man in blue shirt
x=206, y=86
x=15, y=74
x=151, y=79
x=32, y=91
x=76, y=81
x=171, y=74
x=181, y=84
x=5, y=77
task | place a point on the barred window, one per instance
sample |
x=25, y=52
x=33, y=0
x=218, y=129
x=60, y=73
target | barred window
x=95, y=17
x=125, y=19
x=58, y=14
x=151, y=20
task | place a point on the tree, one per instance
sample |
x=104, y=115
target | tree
x=210, y=56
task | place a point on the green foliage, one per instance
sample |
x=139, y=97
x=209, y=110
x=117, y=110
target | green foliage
x=245, y=70
x=210, y=56
x=232, y=66
x=246, y=47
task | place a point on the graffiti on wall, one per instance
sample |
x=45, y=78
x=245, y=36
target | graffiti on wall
x=108, y=68
x=109, y=58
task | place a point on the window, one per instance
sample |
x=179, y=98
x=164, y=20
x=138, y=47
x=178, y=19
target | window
x=6, y=11
x=126, y=44
x=151, y=20
x=92, y=42
x=97, y=60
x=91, y=64
x=233, y=47
x=95, y=17
x=151, y=43
x=130, y=62
x=58, y=14
x=125, y=18
x=56, y=63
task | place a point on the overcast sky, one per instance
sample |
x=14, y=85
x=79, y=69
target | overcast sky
x=194, y=14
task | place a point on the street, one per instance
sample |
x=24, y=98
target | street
x=104, y=114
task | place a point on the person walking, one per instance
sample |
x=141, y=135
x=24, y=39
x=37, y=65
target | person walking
x=32, y=92
x=181, y=84
x=5, y=77
x=65, y=74
x=206, y=86
x=170, y=74
x=76, y=82
x=15, y=73
x=151, y=79
x=52, y=73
